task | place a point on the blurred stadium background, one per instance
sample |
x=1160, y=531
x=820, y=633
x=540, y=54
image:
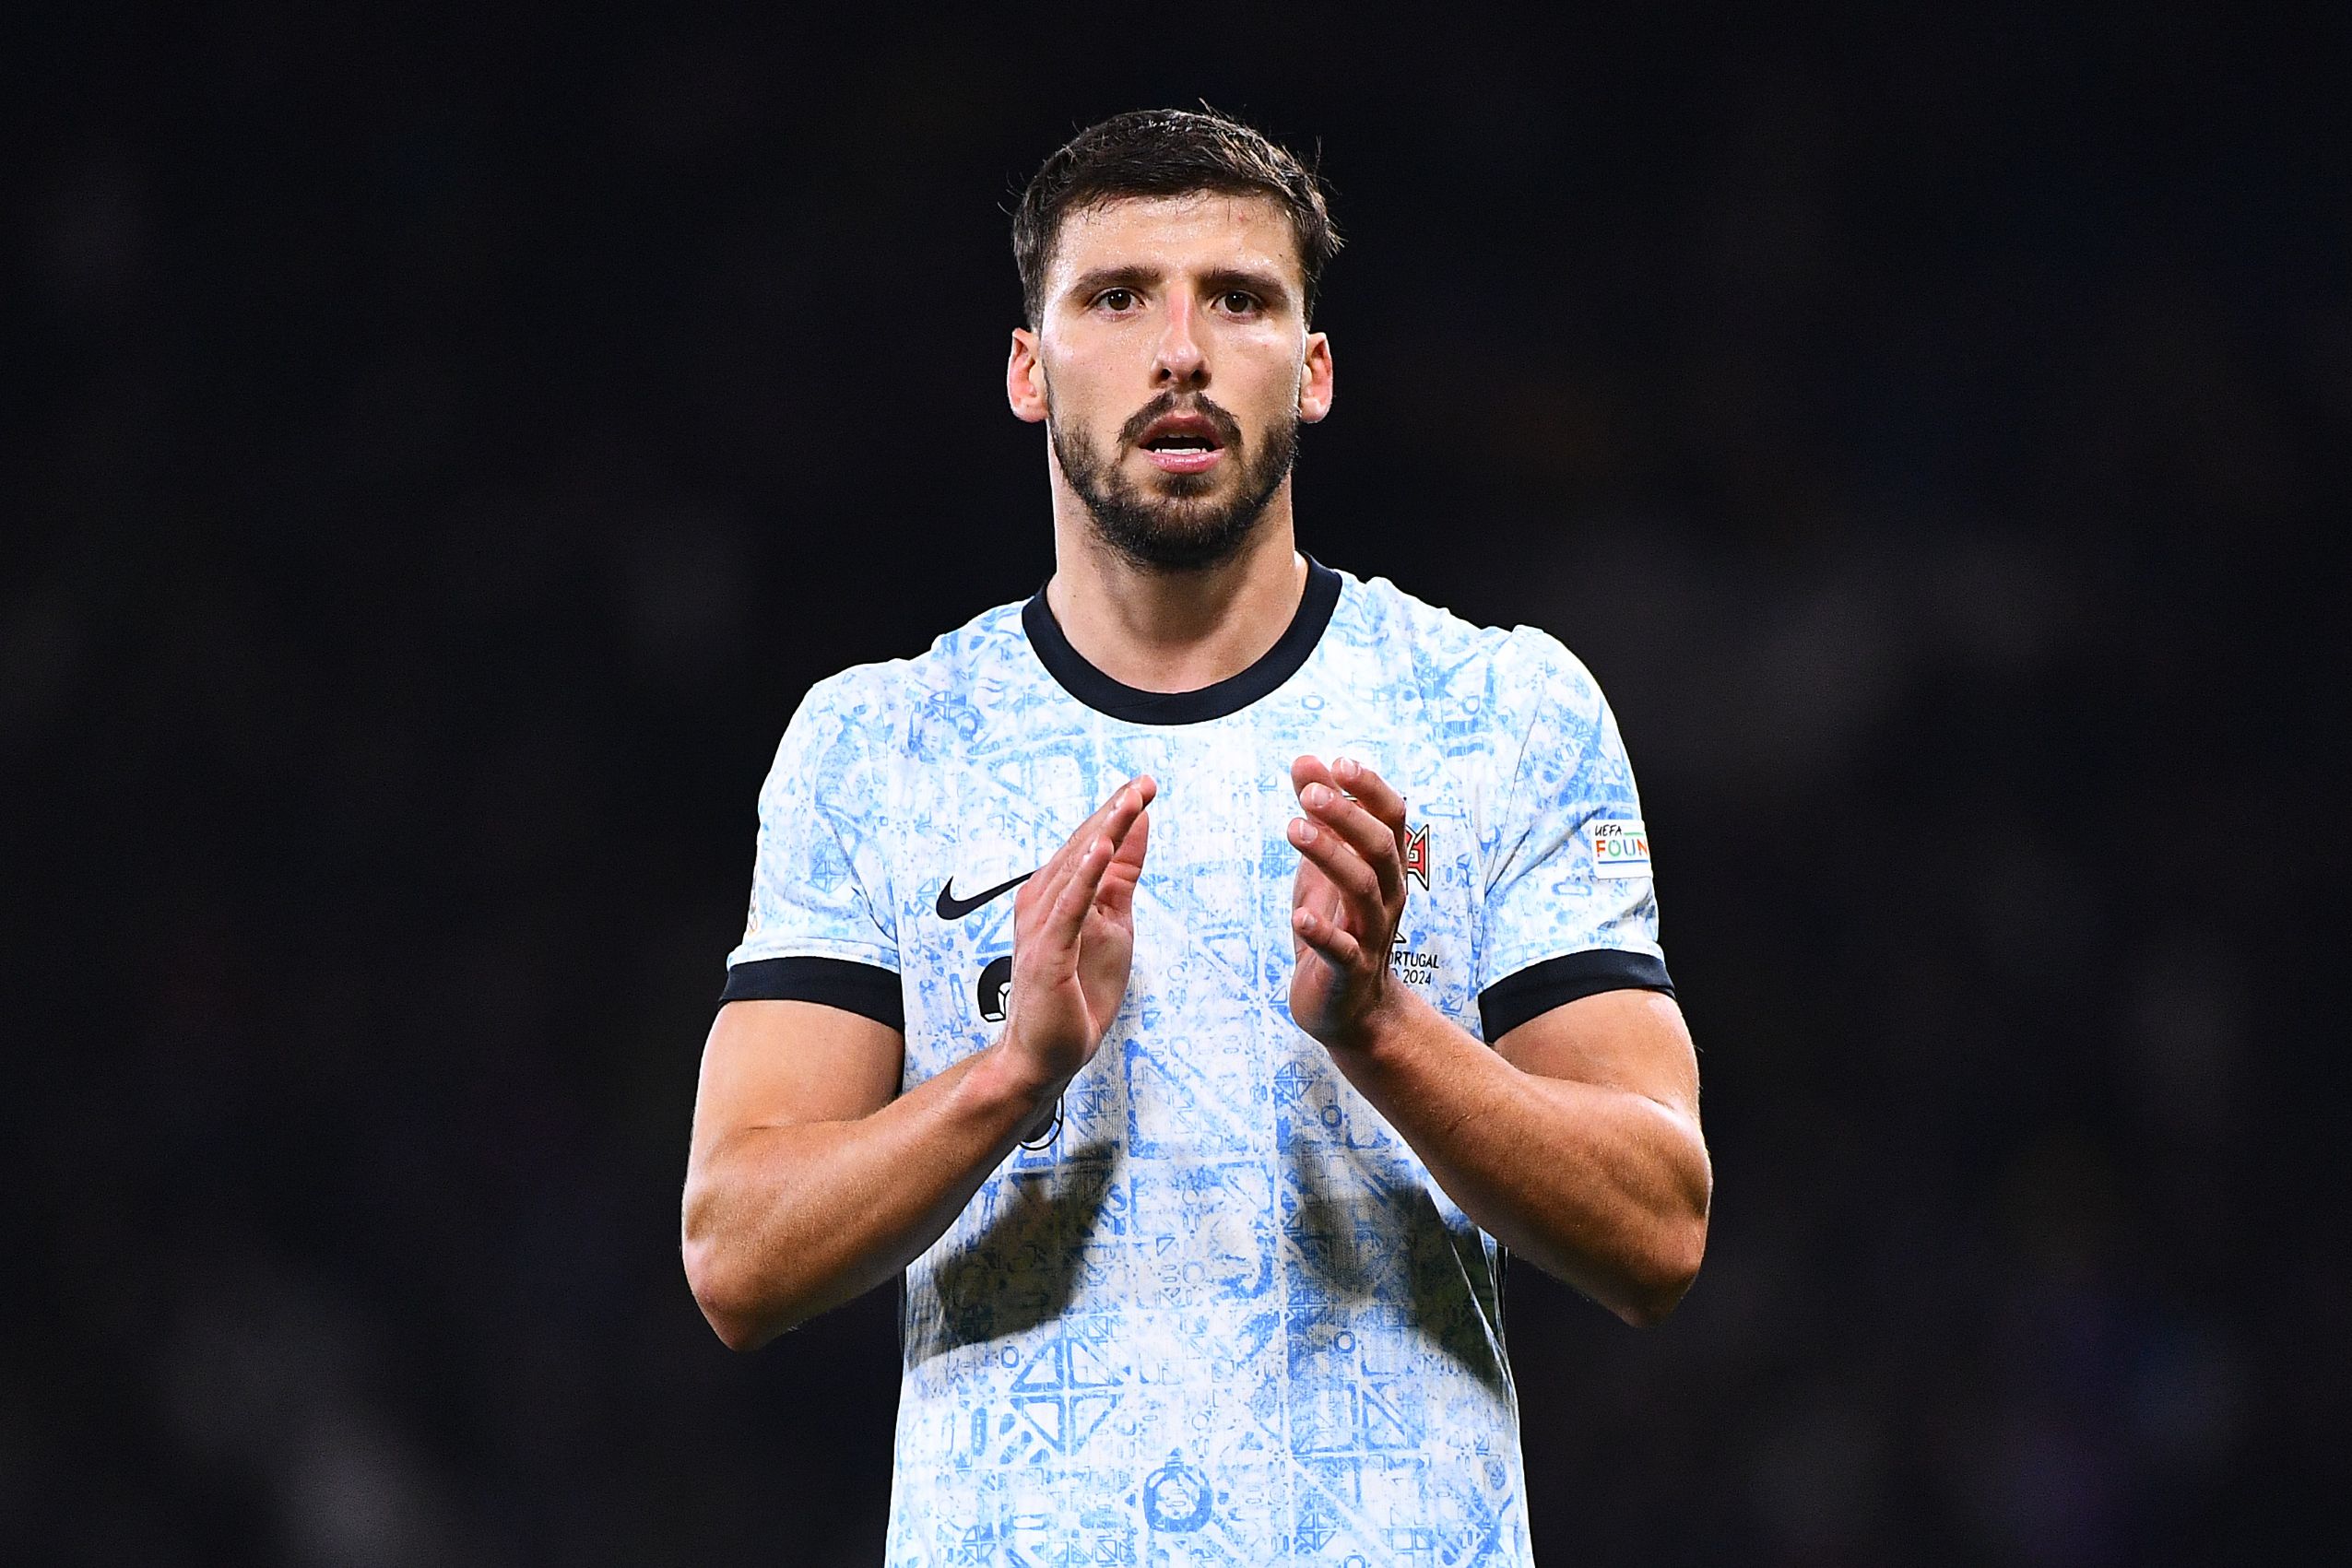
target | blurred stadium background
x=442, y=451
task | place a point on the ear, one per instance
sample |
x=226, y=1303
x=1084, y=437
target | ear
x=1314, y=379
x=1024, y=377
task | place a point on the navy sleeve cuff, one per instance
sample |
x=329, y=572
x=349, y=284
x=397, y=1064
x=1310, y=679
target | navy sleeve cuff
x=1540, y=987
x=867, y=990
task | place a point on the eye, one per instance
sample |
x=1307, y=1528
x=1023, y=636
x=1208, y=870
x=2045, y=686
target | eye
x=1239, y=301
x=1117, y=299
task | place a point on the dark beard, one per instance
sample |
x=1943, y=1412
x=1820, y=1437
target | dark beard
x=1175, y=531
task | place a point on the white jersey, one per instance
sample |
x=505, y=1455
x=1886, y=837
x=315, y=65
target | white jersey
x=1224, y=1315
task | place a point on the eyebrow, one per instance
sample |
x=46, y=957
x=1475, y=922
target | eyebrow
x=1265, y=285
x=1089, y=284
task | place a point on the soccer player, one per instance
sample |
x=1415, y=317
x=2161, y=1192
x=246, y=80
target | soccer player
x=1195, y=978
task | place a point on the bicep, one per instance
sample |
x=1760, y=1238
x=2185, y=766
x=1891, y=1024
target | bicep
x=781, y=1063
x=1630, y=1040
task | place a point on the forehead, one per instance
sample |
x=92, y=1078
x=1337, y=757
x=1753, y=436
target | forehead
x=1194, y=232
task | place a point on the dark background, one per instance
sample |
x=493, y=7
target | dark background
x=442, y=451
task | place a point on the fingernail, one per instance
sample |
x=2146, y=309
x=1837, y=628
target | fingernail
x=1347, y=768
x=1302, y=831
x=1316, y=795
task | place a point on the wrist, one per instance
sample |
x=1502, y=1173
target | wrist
x=1004, y=1075
x=1381, y=1026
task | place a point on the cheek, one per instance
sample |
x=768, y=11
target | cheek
x=1268, y=375
x=1083, y=394
x=1271, y=405
x=1104, y=355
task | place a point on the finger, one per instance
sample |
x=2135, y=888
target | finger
x=1358, y=884
x=1057, y=933
x=1352, y=778
x=1375, y=793
x=1035, y=902
x=1116, y=818
x=1110, y=817
x=1334, y=942
x=1364, y=832
x=1044, y=883
x=1117, y=898
x=1309, y=886
x=1045, y=887
x=1081, y=883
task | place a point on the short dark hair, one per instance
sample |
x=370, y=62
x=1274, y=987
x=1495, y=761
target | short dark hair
x=1165, y=152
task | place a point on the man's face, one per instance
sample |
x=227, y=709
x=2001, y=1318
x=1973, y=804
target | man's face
x=1172, y=364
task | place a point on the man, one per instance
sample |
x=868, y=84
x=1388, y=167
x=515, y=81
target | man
x=1195, y=978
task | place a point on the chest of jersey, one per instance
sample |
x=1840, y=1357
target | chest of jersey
x=1214, y=950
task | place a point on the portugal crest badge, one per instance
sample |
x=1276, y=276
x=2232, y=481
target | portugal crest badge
x=1417, y=848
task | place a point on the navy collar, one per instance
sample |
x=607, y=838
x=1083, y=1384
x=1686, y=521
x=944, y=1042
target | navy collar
x=1120, y=700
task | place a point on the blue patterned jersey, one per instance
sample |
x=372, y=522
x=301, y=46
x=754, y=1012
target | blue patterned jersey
x=1224, y=1315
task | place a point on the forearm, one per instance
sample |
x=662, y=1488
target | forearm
x=786, y=1221
x=1602, y=1187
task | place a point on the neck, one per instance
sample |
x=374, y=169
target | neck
x=1173, y=630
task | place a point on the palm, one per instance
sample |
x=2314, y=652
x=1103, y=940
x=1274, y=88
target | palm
x=1315, y=982
x=1346, y=898
x=1074, y=937
x=1106, y=957
x=1079, y=1004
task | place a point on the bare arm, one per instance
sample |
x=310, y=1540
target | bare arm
x=1575, y=1142
x=808, y=1183
x=1602, y=1181
x=810, y=1180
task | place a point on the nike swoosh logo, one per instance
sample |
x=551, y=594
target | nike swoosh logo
x=950, y=907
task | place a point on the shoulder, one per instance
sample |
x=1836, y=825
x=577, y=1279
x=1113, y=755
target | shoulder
x=888, y=705
x=1504, y=680
x=983, y=651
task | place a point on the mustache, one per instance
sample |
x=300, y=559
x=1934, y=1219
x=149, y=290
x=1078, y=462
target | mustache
x=1228, y=428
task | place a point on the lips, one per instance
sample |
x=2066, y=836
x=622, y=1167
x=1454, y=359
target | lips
x=1183, y=441
x=1184, y=459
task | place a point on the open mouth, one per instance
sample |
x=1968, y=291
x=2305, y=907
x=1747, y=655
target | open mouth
x=1182, y=443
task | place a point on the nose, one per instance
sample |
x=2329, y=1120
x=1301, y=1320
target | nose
x=1179, y=363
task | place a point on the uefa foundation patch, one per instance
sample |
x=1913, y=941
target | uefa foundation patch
x=1619, y=849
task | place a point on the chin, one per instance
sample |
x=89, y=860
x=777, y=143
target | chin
x=1167, y=545
x=1186, y=486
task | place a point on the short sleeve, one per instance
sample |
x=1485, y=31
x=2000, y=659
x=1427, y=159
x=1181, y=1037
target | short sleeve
x=1571, y=908
x=822, y=926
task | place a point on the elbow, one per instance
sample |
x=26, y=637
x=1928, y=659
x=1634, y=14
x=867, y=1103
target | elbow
x=742, y=1321
x=733, y=1315
x=1657, y=1285
x=1649, y=1309
x=1667, y=1264
x=706, y=1276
